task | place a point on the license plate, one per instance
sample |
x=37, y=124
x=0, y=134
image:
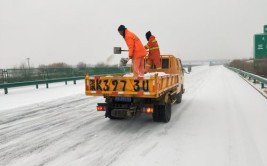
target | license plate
x=123, y=99
x=119, y=85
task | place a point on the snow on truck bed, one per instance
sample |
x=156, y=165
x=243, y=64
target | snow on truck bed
x=147, y=75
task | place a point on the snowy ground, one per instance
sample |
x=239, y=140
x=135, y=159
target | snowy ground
x=222, y=121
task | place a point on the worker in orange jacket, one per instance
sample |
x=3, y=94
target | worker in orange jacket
x=137, y=52
x=154, y=52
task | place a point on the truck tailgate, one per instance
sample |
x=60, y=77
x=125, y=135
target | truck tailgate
x=119, y=85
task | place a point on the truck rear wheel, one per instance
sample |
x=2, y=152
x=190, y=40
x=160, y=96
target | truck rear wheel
x=166, y=112
x=156, y=113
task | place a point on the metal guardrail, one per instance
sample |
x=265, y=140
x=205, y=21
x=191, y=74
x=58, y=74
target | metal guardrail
x=92, y=71
x=250, y=76
x=32, y=74
x=5, y=86
x=1, y=75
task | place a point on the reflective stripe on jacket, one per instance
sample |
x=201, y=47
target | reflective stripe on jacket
x=153, y=46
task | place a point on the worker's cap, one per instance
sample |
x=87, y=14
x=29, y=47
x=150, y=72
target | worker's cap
x=121, y=28
x=148, y=34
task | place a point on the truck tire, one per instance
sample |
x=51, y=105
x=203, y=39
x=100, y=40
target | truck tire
x=166, y=112
x=179, y=96
x=156, y=113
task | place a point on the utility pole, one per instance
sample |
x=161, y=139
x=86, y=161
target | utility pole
x=28, y=59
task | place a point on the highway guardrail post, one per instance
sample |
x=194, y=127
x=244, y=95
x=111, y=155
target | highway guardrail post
x=6, y=91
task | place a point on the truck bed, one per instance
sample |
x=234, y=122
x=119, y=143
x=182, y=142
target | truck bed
x=152, y=85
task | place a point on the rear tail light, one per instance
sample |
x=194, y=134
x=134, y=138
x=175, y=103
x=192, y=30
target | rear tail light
x=148, y=110
x=100, y=108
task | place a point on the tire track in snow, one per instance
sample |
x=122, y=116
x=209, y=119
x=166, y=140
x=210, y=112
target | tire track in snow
x=35, y=131
x=198, y=82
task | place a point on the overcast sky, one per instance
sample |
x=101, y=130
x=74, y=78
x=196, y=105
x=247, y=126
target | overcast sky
x=72, y=31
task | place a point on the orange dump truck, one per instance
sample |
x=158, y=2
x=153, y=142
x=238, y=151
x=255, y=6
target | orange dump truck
x=152, y=94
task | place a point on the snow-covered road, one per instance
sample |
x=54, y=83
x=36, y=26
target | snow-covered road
x=222, y=121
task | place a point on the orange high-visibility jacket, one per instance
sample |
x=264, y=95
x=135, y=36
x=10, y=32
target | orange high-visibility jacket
x=153, y=46
x=135, y=46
